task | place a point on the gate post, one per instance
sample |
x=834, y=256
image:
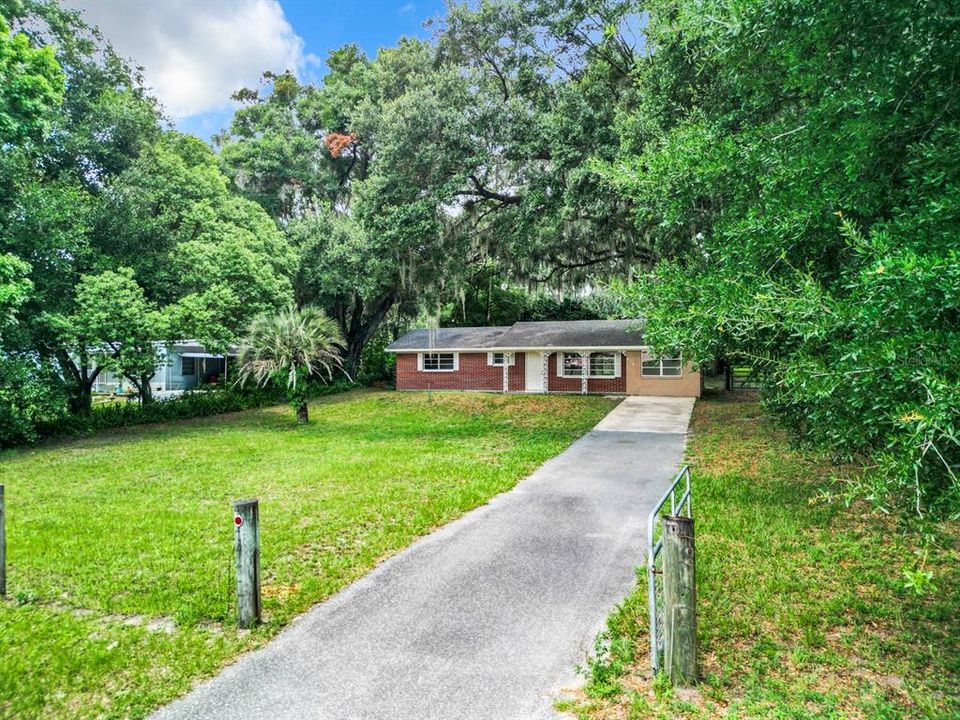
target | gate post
x=679, y=601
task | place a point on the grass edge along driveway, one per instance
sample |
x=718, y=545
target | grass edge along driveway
x=120, y=545
x=805, y=610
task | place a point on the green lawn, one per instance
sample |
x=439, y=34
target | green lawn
x=120, y=546
x=804, y=607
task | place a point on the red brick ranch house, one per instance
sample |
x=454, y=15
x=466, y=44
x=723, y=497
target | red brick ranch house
x=582, y=356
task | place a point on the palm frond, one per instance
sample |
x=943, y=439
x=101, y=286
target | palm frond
x=288, y=345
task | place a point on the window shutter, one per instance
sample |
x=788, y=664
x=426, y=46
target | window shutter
x=560, y=357
x=617, y=360
x=420, y=362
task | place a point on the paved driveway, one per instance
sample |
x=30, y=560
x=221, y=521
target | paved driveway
x=488, y=616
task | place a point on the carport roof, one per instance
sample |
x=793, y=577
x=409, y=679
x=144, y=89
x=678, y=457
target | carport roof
x=566, y=334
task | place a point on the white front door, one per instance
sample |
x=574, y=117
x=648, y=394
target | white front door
x=533, y=372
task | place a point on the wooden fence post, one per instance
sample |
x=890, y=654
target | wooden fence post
x=246, y=524
x=3, y=545
x=679, y=601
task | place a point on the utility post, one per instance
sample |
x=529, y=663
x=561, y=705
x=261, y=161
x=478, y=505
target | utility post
x=679, y=601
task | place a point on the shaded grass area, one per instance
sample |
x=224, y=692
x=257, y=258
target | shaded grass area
x=120, y=546
x=805, y=608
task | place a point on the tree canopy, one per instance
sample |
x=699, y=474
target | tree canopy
x=115, y=232
x=797, y=173
x=769, y=183
x=410, y=179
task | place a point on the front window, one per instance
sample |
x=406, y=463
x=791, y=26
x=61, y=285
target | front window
x=603, y=365
x=499, y=359
x=188, y=366
x=662, y=367
x=599, y=365
x=439, y=362
x=572, y=365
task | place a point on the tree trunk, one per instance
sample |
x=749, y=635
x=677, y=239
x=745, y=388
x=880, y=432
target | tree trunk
x=142, y=384
x=302, y=414
x=146, y=390
x=351, y=361
x=80, y=399
x=79, y=382
x=360, y=329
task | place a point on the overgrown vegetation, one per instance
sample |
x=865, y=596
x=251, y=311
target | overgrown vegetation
x=121, y=545
x=115, y=233
x=424, y=180
x=807, y=608
x=797, y=167
x=763, y=182
x=191, y=404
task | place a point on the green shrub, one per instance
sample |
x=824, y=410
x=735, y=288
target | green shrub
x=28, y=392
x=798, y=176
x=376, y=364
x=192, y=404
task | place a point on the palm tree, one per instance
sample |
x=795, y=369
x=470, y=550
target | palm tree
x=289, y=347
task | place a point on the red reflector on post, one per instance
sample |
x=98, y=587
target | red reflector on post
x=237, y=520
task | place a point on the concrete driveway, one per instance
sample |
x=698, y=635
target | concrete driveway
x=488, y=616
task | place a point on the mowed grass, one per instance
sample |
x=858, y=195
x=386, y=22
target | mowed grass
x=804, y=607
x=120, y=547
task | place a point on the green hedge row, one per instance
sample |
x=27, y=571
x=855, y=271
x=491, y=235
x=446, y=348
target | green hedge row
x=191, y=404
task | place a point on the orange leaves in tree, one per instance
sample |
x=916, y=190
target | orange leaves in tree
x=338, y=142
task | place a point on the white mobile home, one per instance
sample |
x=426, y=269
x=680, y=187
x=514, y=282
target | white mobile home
x=181, y=366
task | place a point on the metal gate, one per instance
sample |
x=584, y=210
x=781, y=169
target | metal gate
x=678, y=505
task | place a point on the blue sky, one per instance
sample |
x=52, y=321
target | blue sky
x=371, y=23
x=195, y=54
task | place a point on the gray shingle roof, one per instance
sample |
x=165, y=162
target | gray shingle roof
x=560, y=335
x=461, y=338
x=573, y=334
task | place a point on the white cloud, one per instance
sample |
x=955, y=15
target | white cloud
x=195, y=54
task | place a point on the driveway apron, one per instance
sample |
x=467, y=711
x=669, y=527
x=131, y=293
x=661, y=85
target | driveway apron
x=488, y=616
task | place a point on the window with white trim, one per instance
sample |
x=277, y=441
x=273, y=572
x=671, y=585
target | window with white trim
x=662, y=367
x=497, y=359
x=599, y=364
x=438, y=362
x=603, y=364
x=571, y=365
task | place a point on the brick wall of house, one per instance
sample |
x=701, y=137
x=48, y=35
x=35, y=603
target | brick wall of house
x=474, y=374
x=594, y=385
